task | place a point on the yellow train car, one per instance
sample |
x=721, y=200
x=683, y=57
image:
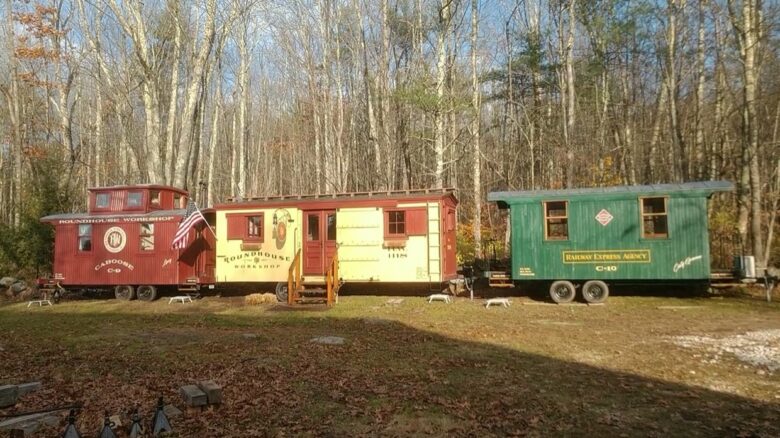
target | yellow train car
x=312, y=244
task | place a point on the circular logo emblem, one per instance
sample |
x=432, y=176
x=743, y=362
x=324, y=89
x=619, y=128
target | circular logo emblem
x=114, y=240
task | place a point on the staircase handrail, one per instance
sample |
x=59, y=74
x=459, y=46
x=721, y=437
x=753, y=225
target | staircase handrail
x=294, y=278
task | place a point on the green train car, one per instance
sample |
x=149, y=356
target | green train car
x=591, y=237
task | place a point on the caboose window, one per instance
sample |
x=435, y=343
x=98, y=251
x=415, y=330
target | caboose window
x=655, y=223
x=102, y=200
x=147, y=237
x=85, y=237
x=254, y=227
x=396, y=223
x=154, y=198
x=134, y=199
x=556, y=220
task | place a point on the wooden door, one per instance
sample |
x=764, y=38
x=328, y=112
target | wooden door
x=449, y=250
x=320, y=241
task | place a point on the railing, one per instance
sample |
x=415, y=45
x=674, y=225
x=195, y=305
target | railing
x=332, y=279
x=294, y=279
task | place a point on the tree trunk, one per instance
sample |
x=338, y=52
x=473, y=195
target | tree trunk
x=243, y=104
x=748, y=30
x=441, y=78
x=192, y=97
x=169, y=154
x=700, y=164
x=475, y=127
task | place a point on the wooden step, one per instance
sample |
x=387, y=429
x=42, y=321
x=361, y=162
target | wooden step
x=312, y=300
x=500, y=279
x=314, y=279
x=313, y=292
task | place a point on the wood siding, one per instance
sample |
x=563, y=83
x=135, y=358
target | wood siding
x=615, y=251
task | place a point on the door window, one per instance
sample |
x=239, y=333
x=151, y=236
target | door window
x=332, y=226
x=313, y=232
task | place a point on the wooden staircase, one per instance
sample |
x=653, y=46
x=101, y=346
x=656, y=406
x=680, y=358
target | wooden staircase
x=314, y=290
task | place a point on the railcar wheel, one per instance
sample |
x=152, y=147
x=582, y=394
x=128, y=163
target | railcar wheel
x=562, y=291
x=281, y=292
x=124, y=292
x=147, y=293
x=595, y=291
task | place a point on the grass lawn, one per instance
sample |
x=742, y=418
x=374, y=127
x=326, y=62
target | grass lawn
x=405, y=370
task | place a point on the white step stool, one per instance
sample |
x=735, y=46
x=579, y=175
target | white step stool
x=39, y=303
x=181, y=298
x=440, y=297
x=498, y=301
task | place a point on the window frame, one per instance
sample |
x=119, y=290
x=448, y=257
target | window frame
x=546, y=219
x=395, y=236
x=140, y=205
x=108, y=202
x=79, y=236
x=152, y=198
x=141, y=236
x=260, y=237
x=642, y=216
x=240, y=232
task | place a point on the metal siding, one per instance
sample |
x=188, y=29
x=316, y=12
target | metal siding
x=533, y=258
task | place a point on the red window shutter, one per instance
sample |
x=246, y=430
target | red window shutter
x=416, y=222
x=236, y=226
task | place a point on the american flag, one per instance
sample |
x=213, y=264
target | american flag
x=191, y=218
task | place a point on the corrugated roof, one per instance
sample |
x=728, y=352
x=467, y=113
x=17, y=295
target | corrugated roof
x=704, y=187
x=117, y=215
x=385, y=194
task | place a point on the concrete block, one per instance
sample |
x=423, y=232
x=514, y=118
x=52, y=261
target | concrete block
x=26, y=388
x=212, y=390
x=172, y=411
x=8, y=395
x=29, y=424
x=193, y=396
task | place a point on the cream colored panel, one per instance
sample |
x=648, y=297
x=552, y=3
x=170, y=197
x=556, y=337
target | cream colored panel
x=268, y=263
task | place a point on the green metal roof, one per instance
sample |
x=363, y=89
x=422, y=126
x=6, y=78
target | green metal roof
x=699, y=188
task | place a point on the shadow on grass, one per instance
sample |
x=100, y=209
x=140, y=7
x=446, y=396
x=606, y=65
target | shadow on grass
x=387, y=379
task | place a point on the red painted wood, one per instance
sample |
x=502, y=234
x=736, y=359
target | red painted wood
x=236, y=226
x=115, y=255
x=448, y=244
x=320, y=242
x=378, y=200
x=416, y=221
x=312, y=243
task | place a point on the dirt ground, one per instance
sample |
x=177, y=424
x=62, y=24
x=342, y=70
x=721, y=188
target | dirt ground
x=635, y=366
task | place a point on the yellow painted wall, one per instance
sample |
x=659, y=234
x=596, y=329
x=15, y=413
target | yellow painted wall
x=271, y=262
x=363, y=255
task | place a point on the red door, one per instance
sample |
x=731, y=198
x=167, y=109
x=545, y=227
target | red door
x=449, y=253
x=320, y=241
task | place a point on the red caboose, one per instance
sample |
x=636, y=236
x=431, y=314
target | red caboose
x=125, y=243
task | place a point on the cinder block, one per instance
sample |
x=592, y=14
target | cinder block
x=26, y=388
x=193, y=396
x=8, y=395
x=212, y=390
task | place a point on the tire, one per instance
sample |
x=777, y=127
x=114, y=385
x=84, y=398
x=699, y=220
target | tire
x=595, y=292
x=146, y=293
x=562, y=291
x=124, y=292
x=281, y=292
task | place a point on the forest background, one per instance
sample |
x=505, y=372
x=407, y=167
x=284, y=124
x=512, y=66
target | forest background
x=228, y=97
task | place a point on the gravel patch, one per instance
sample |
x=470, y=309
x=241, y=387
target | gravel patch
x=759, y=348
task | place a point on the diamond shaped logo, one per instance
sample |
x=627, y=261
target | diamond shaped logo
x=604, y=217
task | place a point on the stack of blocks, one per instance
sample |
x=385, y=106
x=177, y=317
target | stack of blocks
x=206, y=392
